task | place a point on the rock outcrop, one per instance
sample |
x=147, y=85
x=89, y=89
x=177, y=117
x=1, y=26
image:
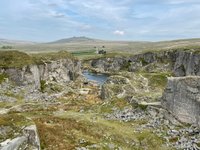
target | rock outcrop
x=136, y=62
x=29, y=140
x=181, y=63
x=62, y=70
x=182, y=98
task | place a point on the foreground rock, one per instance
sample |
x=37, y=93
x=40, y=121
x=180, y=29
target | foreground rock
x=181, y=98
x=28, y=140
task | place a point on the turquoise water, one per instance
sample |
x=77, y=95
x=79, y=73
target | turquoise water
x=97, y=77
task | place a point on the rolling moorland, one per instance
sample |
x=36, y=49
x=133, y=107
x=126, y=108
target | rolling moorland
x=86, y=44
x=149, y=98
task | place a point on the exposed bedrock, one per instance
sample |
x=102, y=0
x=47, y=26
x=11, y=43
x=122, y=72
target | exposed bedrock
x=181, y=63
x=62, y=70
x=182, y=98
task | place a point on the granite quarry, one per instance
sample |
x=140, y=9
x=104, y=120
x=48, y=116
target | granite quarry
x=148, y=101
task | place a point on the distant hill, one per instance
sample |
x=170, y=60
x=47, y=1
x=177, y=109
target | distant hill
x=74, y=40
x=84, y=44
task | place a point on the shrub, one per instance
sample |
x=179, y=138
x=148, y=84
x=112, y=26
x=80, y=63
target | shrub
x=43, y=85
x=6, y=47
x=2, y=77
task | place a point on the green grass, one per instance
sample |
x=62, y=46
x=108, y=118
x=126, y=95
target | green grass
x=107, y=55
x=158, y=80
x=108, y=106
x=17, y=59
x=80, y=53
x=51, y=56
x=14, y=59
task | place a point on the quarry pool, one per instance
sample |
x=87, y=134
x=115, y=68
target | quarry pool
x=97, y=77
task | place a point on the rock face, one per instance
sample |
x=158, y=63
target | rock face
x=62, y=70
x=182, y=98
x=181, y=63
x=187, y=63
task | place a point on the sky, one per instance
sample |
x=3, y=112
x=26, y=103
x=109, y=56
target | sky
x=133, y=20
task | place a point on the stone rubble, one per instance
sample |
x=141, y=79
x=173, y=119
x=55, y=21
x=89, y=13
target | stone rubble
x=176, y=136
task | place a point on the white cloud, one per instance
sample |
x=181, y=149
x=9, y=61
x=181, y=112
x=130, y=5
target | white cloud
x=182, y=1
x=140, y=18
x=119, y=32
x=57, y=14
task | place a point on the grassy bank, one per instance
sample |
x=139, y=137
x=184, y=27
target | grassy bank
x=11, y=59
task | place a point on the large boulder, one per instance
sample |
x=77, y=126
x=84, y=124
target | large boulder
x=182, y=98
